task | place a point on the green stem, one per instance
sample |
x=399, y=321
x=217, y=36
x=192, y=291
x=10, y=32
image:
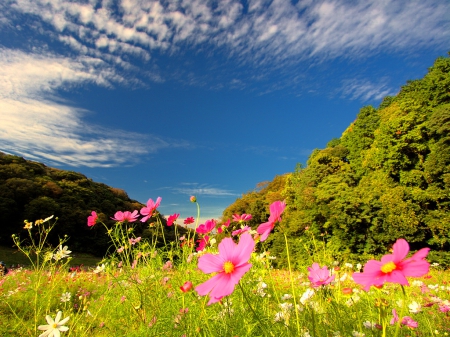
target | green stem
x=292, y=284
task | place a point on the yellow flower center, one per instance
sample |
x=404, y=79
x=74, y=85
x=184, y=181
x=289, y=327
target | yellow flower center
x=228, y=267
x=54, y=325
x=388, y=267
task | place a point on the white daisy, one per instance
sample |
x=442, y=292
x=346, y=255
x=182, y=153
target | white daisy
x=54, y=327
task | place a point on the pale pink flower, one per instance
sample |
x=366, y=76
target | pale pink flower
x=319, y=276
x=242, y=218
x=230, y=265
x=406, y=320
x=147, y=211
x=172, y=218
x=394, y=267
x=121, y=249
x=241, y=231
x=276, y=209
x=126, y=216
x=133, y=241
x=92, y=219
x=207, y=227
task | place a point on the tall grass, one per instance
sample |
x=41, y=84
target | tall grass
x=137, y=292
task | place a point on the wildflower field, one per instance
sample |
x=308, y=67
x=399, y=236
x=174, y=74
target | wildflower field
x=217, y=283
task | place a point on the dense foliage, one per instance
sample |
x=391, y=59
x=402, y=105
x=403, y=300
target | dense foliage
x=30, y=190
x=387, y=177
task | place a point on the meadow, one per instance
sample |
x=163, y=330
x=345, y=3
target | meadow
x=222, y=284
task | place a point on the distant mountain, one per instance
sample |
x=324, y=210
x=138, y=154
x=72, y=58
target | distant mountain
x=386, y=177
x=30, y=191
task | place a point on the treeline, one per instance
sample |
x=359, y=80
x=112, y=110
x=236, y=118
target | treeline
x=30, y=191
x=386, y=177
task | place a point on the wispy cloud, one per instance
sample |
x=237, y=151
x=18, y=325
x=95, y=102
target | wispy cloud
x=365, y=90
x=37, y=124
x=268, y=32
x=198, y=189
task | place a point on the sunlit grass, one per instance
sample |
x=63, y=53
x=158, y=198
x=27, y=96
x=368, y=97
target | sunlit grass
x=137, y=292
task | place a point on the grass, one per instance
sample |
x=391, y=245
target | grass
x=141, y=291
x=12, y=256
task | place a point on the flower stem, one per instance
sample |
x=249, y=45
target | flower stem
x=292, y=284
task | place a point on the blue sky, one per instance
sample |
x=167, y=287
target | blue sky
x=185, y=97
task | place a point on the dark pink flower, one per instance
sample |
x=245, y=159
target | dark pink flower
x=186, y=286
x=207, y=227
x=276, y=209
x=230, y=265
x=126, y=216
x=242, y=218
x=92, y=219
x=241, y=230
x=202, y=243
x=172, y=218
x=147, y=211
x=189, y=220
x=394, y=267
x=319, y=276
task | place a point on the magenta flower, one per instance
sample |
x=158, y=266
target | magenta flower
x=202, y=243
x=126, y=216
x=92, y=219
x=242, y=218
x=319, y=276
x=394, y=267
x=172, y=218
x=276, y=209
x=207, y=227
x=147, y=212
x=186, y=286
x=230, y=265
x=241, y=231
x=189, y=220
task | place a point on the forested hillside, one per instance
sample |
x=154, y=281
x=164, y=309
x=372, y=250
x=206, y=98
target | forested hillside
x=386, y=177
x=30, y=191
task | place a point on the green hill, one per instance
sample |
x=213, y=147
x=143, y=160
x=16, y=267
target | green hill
x=30, y=191
x=386, y=177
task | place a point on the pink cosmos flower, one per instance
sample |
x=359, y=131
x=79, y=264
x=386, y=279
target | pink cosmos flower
x=147, y=212
x=319, y=276
x=92, y=219
x=406, y=320
x=394, y=267
x=241, y=230
x=134, y=241
x=186, y=286
x=230, y=265
x=202, y=243
x=172, y=218
x=242, y=218
x=126, y=216
x=189, y=220
x=207, y=227
x=276, y=209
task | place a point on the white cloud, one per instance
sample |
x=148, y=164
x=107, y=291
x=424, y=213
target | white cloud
x=365, y=90
x=201, y=189
x=37, y=124
x=269, y=32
